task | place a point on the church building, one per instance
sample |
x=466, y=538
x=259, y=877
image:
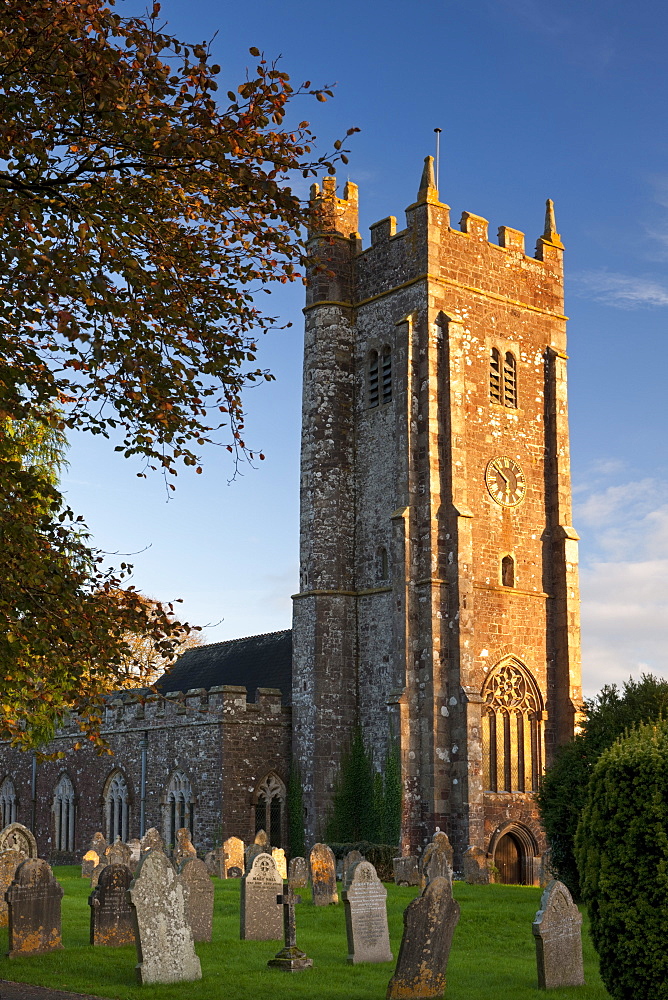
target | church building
x=438, y=602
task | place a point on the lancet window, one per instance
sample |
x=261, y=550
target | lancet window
x=7, y=802
x=63, y=814
x=508, y=571
x=512, y=729
x=270, y=809
x=117, y=807
x=180, y=806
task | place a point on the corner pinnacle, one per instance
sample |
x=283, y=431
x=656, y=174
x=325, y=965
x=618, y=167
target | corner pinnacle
x=550, y=234
x=427, y=181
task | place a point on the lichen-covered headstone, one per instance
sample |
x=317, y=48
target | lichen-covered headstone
x=97, y=871
x=261, y=915
x=198, y=897
x=135, y=852
x=165, y=946
x=118, y=853
x=215, y=863
x=429, y=923
x=298, y=873
x=475, y=866
x=184, y=846
x=34, y=909
x=234, y=849
x=278, y=854
x=365, y=901
x=17, y=837
x=262, y=840
x=351, y=859
x=89, y=862
x=557, y=930
x=111, y=915
x=323, y=875
x=9, y=862
x=406, y=870
x=152, y=841
x=98, y=844
x=429, y=868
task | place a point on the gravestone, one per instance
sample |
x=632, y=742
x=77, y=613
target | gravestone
x=234, y=872
x=234, y=849
x=323, y=875
x=34, y=910
x=89, y=862
x=252, y=852
x=184, y=847
x=9, y=862
x=298, y=873
x=475, y=867
x=197, y=897
x=261, y=915
x=97, y=871
x=544, y=865
x=351, y=859
x=262, y=840
x=440, y=846
x=290, y=958
x=118, y=853
x=429, y=923
x=215, y=862
x=165, y=945
x=406, y=870
x=98, y=844
x=135, y=852
x=366, y=916
x=17, y=837
x=152, y=841
x=278, y=854
x=111, y=916
x=557, y=930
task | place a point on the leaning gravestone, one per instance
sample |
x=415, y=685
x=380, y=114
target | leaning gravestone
x=118, y=853
x=184, y=847
x=429, y=923
x=406, y=870
x=34, y=910
x=366, y=916
x=278, y=854
x=351, y=859
x=165, y=945
x=17, y=837
x=9, y=862
x=298, y=873
x=234, y=850
x=261, y=915
x=557, y=930
x=197, y=897
x=323, y=875
x=152, y=841
x=111, y=916
x=475, y=867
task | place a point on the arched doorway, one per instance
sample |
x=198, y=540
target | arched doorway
x=508, y=859
x=514, y=850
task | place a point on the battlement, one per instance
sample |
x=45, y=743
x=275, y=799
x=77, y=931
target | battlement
x=331, y=214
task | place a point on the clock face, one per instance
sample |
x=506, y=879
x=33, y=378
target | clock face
x=505, y=482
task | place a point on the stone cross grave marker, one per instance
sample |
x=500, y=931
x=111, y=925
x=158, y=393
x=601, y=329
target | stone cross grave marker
x=557, y=929
x=298, y=873
x=290, y=958
x=9, y=862
x=184, y=846
x=278, y=854
x=436, y=859
x=365, y=901
x=261, y=915
x=429, y=923
x=475, y=866
x=165, y=946
x=234, y=849
x=152, y=841
x=111, y=915
x=17, y=837
x=34, y=909
x=323, y=875
x=351, y=859
x=197, y=897
x=118, y=853
x=406, y=870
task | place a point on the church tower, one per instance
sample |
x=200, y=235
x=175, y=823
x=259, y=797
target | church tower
x=439, y=599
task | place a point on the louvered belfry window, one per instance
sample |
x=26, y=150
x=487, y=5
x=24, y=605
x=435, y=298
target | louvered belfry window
x=510, y=381
x=503, y=378
x=373, y=379
x=387, y=374
x=495, y=376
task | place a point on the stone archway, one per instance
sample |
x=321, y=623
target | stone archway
x=513, y=850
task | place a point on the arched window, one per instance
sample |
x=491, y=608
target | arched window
x=382, y=564
x=63, y=814
x=512, y=729
x=117, y=807
x=495, y=376
x=7, y=802
x=387, y=374
x=372, y=379
x=508, y=571
x=510, y=381
x=270, y=808
x=180, y=806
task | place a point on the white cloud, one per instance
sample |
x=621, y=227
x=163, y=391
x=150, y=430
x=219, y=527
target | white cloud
x=622, y=291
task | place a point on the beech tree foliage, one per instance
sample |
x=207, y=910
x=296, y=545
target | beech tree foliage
x=139, y=218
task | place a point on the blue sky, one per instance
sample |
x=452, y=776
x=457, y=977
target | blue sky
x=536, y=99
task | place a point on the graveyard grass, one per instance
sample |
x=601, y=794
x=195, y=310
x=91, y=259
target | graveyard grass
x=492, y=958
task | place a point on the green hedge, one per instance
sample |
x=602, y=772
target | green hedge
x=622, y=854
x=380, y=856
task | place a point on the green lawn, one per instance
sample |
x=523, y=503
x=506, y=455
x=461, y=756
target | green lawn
x=492, y=958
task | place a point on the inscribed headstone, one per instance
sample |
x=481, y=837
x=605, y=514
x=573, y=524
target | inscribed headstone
x=17, y=837
x=261, y=839
x=34, y=909
x=197, y=897
x=9, y=862
x=406, y=870
x=366, y=916
x=89, y=862
x=278, y=854
x=475, y=866
x=97, y=871
x=323, y=875
x=429, y=923
x=234, y=849
x=165, y=945
x=111, y=915
x=152, y=841
x=298, y=873
x=261, y=915
x=351, y=859
x=557, y=929
x=118, y=853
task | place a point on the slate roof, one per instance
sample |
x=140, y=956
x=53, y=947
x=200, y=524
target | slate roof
x=254, y=661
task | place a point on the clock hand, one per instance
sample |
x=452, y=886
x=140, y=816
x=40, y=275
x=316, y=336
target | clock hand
x=503, y=475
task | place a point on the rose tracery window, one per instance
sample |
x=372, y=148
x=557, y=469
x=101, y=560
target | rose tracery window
x=512, y=734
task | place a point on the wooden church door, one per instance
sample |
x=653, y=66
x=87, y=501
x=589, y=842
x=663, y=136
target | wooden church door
x=508, y=860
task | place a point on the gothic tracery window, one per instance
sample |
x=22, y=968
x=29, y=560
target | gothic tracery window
x=117, y=807
x=270, y=808
x=512, y=724
x=180, y=806
x=7, y=802
x=63, y=814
